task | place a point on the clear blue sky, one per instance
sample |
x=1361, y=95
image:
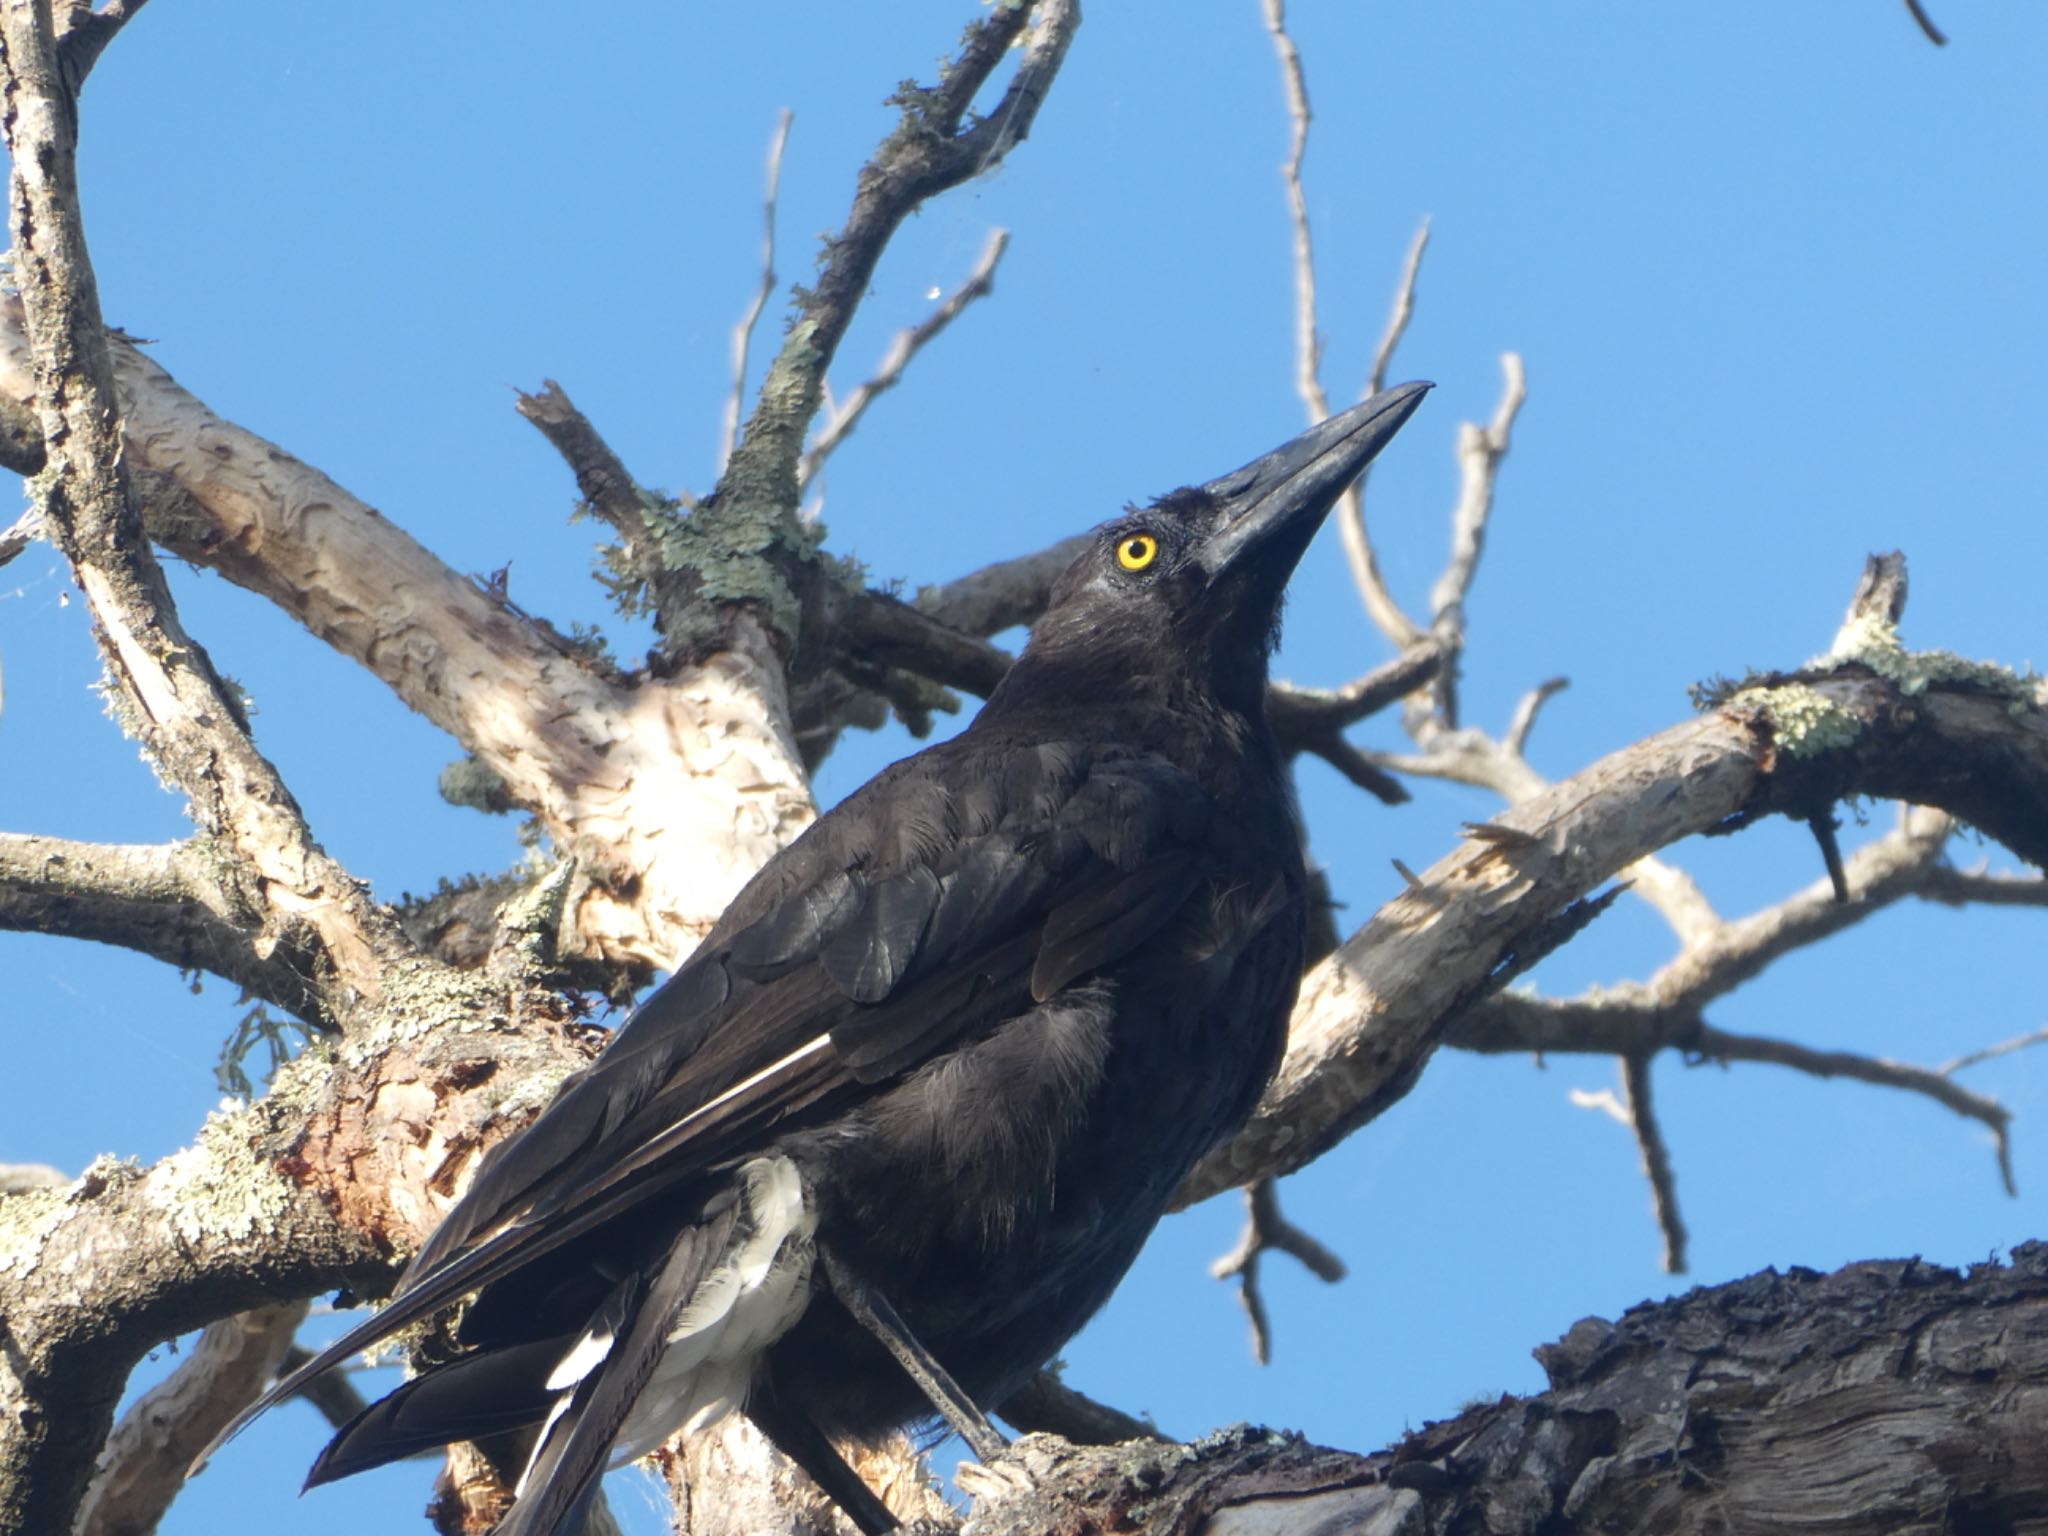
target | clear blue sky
x=1777, y=277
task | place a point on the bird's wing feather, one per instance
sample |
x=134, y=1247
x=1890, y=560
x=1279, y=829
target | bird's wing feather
x=892, y=935
x=926, y=910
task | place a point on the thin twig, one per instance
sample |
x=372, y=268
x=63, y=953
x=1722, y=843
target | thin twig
x=1960, y=887
x=908, y=343
x=1480, y=452
x=1516, y=738
x=1360, y=767
x=1719, y=1045
x=1933, y=33
x=1308, y=347
x=1403, y=312
x=1360, y=553
x=1823, y=826
x=935, y=146
x=1656, y=1155
x=1268, y=1230
x=743, y=333
x=2003, y=1048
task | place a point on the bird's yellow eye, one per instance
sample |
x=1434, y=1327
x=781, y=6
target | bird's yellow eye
x=1136, y=551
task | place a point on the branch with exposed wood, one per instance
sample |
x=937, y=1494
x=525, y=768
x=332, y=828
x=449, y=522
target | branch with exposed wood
x=663, y=789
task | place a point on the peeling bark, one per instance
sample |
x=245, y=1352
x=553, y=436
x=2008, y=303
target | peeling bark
x=671, y=792
x=325, y=1183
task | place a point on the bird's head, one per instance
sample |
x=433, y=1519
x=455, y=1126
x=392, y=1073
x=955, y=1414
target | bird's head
x=1188, y=590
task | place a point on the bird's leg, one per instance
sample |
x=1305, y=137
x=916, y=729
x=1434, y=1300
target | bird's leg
x=790, y=1430
x=872, y=1311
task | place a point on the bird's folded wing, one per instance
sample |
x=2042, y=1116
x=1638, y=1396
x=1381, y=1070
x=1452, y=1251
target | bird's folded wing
x=888, y=933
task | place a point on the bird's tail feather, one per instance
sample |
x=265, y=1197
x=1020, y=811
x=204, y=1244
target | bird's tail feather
x=482, y=1394
x=575, y=1443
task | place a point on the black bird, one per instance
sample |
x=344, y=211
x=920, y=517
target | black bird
x=900, y=1124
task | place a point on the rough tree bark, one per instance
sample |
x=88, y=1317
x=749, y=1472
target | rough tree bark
x=1888, y=1397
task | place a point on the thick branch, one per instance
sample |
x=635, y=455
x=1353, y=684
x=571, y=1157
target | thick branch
x=1371, y=1014
x=1886, y=1397
x=143, y=1466
x=670, y=794
x=322, y=1184
x=189, y=721
x=165, y=900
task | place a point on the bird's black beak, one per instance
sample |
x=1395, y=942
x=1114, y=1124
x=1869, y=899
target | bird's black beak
x=1268, y=511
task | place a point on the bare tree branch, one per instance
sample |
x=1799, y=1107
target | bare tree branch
x=1656, y=1156
x=1928, y=29
x=165, y=900
x=24, y=531
x=889, y=633
x=933, y=148
x=1370, y=1015
x=190, y=723
x=1267, y=1230
x=743, y=333
x=322, y=1184
x=609, y=491
x=1300, y=714
x=1516, y=739
x=334, y=1395
x=1000, y=596
x=83, y=34
x=698, y=767
x=1402, y=313
x=1915, y=1389
x=908, y=343
x=1481, y=451
x=143, y=1466
x=1047, y=1405
x=1379, y=602
x=20, y=1178
x=2003, y=1048
x=1960, y=887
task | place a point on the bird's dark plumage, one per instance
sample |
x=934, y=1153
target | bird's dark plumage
x=966, y=1035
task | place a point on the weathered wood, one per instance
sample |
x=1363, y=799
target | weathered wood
x=1887, y=1397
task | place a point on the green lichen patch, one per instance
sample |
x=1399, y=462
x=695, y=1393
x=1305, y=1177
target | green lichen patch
x=219, y=1187
x=1803, y=721
x=1866, y=640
